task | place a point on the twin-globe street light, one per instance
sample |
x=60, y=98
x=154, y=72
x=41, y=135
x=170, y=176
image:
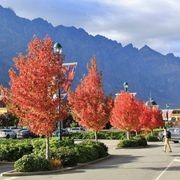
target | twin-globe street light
x=58, y=49
x=69, y=73
x=125, y=84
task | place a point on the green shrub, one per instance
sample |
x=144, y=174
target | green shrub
x=135, y=142
x=30, y=163
x=12, y=152
x=141, y=141
x=86, y=153
x=67, y=155
x=39, y=145
x=89, y=151
x=100, y=135
x=152, y=138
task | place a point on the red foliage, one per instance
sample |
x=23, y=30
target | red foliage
x=3, y=95
x=126, y=112
x=145, y=117
x=157, y=119
x=33, y=85
x=88, y=103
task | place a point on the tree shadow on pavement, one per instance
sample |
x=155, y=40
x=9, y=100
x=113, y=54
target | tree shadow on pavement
x=113, y=162
x=154, y=145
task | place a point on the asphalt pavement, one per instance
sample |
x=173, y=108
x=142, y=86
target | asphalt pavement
x=149, y=163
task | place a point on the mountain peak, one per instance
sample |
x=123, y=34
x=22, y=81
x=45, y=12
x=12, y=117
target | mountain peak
x=40, y=21
x=7, y=11
x=170, y=55
x=129, y=46
x=145, y=48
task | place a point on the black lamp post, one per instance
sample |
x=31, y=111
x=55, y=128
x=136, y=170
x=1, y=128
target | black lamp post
x=167, y=112
x=58, y=49
x=125, y=84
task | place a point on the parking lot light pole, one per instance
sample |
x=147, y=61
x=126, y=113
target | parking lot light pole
x=58, y=49
x=167, y=112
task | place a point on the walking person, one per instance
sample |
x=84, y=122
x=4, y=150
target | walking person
x=167, y=137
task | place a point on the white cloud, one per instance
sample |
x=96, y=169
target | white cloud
x=151, y=22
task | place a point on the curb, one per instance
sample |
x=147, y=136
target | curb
x=14, y=173
x=5, y=162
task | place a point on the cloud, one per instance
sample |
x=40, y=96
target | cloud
x=151, y=22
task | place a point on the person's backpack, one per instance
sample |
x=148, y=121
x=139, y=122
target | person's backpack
x=168, y=134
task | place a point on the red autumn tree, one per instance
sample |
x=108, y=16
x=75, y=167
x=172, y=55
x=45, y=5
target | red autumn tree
x=156, y=119
x=88, y=103
x=145, y=117
x=125, y=113
x=3, y=94
x=35, y=80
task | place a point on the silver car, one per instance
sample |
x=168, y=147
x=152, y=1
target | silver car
x=175, y=134
x=7, y=133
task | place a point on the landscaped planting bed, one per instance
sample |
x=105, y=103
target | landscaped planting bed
x=30, y=155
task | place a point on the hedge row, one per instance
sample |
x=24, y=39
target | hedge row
x=100, y=135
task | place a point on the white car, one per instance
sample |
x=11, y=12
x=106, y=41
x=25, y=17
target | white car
x=75, y=129
x=175, y=134
x=7, y=133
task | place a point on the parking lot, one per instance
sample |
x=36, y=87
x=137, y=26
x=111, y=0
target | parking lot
x=149, y=163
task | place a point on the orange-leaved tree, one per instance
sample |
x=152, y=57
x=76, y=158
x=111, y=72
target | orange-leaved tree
x=145, y=117
x=33, y=83
x=125, y=113
x=89, y=105
x=156, y=119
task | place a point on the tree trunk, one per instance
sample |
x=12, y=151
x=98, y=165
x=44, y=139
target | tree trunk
x=127, y=135
x=95, y=134
x=47, y=148
x=136, y=133
x=151, y=132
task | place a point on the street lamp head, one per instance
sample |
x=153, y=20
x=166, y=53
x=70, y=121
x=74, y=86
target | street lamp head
x=125, y=84
x=167, y=106
x=57, y=48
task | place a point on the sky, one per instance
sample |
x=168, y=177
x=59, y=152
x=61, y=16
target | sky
x=155, y=23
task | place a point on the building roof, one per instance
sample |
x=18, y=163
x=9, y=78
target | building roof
x=151, y=102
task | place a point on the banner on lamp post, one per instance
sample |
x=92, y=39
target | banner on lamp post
x=69, y=70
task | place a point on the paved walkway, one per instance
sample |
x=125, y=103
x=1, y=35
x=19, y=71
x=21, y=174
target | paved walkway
x=125, y=164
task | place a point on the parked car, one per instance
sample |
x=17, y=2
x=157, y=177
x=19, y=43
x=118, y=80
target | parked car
x=75, y=129
x=175, y=134
x=7, y=133
x=25, y=133
x=57, y=132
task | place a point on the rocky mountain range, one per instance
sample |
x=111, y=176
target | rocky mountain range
x=146, y=70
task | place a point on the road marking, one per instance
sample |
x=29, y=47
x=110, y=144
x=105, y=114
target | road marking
x=175, y=159
x=11, y=178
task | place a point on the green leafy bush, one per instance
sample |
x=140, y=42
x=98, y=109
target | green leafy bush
x=100, y=135
x=135, y=142
x=39, y=145
x=152, y=138
x=67, y=155
x=89, y=151
x=86, y=153
x=12, y=152
x=30, y=163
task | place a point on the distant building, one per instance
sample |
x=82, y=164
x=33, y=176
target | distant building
x=3, y=108
x=151, y=103
x=172, y=115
